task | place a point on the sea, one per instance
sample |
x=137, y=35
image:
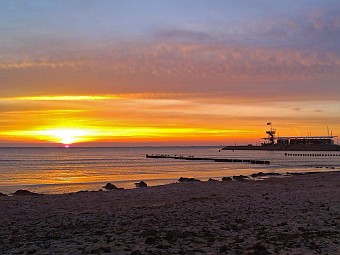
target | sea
x=65, y=170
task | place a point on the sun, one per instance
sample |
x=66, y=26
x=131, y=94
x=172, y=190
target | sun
x=66, y=136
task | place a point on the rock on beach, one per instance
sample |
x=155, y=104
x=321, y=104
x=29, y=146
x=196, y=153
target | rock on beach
x=261, y=174
x=226, y=179
x=185, y=179
x=141, y=184
x=22, y=192
x=240, y=178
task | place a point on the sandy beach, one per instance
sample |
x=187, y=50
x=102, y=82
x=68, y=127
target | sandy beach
x=299, y=214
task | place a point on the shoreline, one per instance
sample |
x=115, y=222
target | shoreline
x=296, y=215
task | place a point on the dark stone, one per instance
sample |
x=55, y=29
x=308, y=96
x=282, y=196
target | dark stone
x=22, y=192
x=273, y=174
x=163, y=246
x=240, y=178
x=149, y=232
x=212, y=180
x=100, y=250
x=141, y=184
x=223, y=249
x=293, y=173
x=32, y=251
x=136, y=252
x=261, y=174
x=150, y=240
x=3, y=195
x=185, y=179
x=259, y=249
x=227, y=179
x=110, y=186
x=172, y=236
x=82, y=191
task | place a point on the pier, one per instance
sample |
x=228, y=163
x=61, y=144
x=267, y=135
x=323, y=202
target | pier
x=229, y=160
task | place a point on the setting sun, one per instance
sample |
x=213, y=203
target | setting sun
x=66, y=136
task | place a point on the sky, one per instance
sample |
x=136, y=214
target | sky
x=167, y=72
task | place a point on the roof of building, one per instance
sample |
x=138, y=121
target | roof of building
x=306, y=137
x=303, y=137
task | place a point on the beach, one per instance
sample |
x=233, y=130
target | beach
x=298, y=214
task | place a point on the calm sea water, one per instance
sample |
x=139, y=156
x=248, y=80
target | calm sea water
x=60, y=170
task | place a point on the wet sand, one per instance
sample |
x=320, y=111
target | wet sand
x=294, y=215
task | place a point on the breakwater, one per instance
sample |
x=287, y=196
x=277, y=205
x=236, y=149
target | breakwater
x=229, y=160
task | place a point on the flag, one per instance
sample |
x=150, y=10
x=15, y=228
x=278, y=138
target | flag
x=269, y=123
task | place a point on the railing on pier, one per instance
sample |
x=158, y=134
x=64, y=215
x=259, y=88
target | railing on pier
x=312, y=155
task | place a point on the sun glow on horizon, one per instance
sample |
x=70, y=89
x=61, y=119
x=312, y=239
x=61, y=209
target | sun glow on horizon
x=69, y=136
x=87, y=119
x=66, y=136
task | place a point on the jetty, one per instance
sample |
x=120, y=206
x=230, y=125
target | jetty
x=229, y=160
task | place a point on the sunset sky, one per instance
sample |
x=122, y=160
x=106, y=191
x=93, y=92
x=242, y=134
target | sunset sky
x=167, y=72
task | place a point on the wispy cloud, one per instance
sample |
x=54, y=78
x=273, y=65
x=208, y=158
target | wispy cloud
x=181, y=59
x=60, y=98
x=312, y=29
x=22, y=64
x=177, y=35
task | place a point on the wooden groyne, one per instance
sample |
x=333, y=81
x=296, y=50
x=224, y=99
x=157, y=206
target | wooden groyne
x=229, y=160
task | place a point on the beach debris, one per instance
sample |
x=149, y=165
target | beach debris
x=185, y=179
x=227, y=179
x=22, y=192
x=262, y=174
x=240, y=177
x=3, y=195
x=141, y=184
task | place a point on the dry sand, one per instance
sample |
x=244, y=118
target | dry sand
x=295, y=215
